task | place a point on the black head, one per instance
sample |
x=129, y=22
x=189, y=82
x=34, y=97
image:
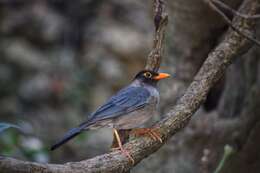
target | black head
x=150, y=77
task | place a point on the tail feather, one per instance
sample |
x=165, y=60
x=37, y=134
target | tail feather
x=68, y=136
x=71, y=134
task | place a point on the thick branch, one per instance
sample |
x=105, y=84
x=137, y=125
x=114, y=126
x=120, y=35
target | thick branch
x=213, y=68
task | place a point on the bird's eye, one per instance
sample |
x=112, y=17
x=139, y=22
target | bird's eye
x=147, y=74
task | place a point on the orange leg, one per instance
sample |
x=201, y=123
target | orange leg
x=153, y=133
x=121, y=146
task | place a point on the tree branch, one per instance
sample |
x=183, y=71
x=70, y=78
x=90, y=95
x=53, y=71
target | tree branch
x=213, y=68
x=160, y=22
x=229, y=22
x=225, y=6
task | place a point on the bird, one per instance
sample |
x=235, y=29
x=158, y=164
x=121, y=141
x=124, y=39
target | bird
x=129, y=108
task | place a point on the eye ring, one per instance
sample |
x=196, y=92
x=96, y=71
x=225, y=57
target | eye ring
x=147, y=74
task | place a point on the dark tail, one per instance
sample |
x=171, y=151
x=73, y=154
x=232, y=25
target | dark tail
x=69, y=135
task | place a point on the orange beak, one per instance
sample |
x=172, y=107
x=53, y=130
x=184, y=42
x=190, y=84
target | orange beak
x=162, y=76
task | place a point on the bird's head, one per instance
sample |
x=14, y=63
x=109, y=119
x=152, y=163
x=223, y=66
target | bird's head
x=150, y=77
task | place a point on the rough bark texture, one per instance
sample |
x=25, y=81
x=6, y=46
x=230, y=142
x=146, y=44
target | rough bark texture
x=232, y=46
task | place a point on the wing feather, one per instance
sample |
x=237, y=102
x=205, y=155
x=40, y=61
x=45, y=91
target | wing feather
x=125, y=101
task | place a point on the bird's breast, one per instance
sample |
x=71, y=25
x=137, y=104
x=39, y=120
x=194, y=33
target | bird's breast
x=138, y=118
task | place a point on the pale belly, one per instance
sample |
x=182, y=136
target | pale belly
x=135, y=119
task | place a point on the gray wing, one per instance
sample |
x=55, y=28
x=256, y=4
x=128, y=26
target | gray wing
x=126, y=100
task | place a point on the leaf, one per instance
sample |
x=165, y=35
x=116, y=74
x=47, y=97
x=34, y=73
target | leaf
x=5, y=126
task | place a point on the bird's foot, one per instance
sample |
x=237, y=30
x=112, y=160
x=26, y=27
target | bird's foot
x=151, y=132
x=125, y=152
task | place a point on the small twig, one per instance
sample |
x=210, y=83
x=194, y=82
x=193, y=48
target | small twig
x=158, y=8
x=228, y=152
x=160, y=22
x=235, y=12
x=214, y=7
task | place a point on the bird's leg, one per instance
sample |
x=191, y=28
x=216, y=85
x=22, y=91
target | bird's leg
x=124, y=136
x=151, y=132
x=121, y=146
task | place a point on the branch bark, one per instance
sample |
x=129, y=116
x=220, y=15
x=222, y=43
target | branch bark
x=177, y=118
x=160, y=22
